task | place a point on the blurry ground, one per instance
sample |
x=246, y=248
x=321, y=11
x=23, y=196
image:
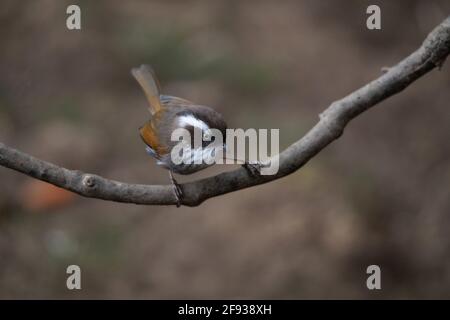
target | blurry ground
x=379, y=195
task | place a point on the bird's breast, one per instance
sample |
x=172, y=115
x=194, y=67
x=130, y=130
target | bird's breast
x=190, y=161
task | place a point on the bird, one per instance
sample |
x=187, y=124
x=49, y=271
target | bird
x=169, y=113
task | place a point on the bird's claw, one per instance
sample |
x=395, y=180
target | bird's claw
x=178, y=193
x=177, y=190
x=253, y=168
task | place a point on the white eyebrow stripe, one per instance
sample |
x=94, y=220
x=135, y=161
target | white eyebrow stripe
x=190, y=120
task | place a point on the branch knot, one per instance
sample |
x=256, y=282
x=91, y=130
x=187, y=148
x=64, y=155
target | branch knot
x=89, y=181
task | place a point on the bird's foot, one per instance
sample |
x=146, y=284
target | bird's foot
x=253, y=168
x=177, y=190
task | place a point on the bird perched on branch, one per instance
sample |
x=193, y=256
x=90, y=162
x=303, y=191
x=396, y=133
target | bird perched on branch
x=169, y=113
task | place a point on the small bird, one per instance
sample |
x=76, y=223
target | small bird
x=169, y=113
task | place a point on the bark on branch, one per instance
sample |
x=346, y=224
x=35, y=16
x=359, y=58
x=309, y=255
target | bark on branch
x=333, y=120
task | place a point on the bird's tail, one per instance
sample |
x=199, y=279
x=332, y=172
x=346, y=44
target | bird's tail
x=149, y=83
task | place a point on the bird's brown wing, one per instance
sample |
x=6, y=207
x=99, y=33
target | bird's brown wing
x=150, y=135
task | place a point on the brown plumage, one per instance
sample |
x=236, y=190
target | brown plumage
x=146, y=77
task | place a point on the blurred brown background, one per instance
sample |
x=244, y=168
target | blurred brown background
x=379, y=195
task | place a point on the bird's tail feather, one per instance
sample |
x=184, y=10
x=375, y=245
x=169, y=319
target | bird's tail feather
x=146, y=77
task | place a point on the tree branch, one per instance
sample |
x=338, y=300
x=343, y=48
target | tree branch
x=333, y=120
